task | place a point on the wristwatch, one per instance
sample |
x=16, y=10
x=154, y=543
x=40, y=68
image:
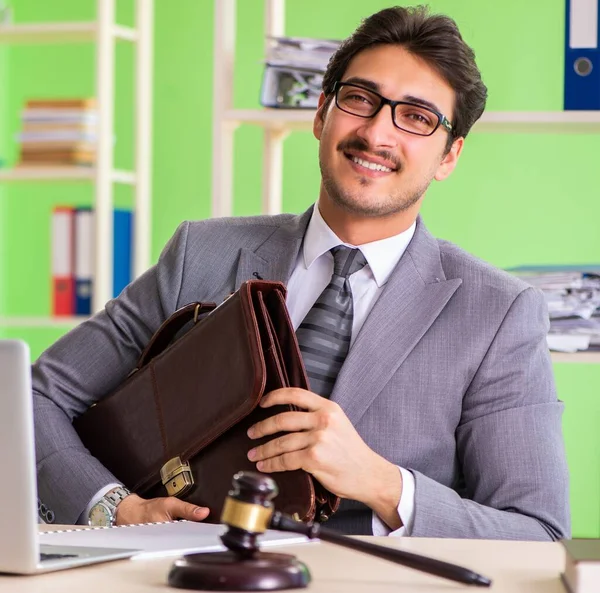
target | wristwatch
x=103, y=513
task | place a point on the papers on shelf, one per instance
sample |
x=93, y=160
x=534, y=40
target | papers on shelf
x=573, y=297
x=567, y=342
x=300, y=52
x=294, y=68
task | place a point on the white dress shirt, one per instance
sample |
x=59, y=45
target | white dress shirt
x=312, y=273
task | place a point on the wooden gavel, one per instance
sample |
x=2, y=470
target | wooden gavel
x=248, y=512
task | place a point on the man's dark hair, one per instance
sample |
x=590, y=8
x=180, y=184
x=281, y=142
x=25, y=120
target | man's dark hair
x=433, y=38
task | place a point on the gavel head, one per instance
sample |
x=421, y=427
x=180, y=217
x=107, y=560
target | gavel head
x=247, y=511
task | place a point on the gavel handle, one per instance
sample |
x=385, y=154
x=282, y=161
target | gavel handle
x=282, y=522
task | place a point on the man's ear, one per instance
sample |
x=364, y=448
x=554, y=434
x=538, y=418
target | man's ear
x=319, y=121
x=450, y=160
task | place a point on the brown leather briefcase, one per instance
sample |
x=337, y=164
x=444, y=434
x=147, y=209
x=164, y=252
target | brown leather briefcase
x=177, y=425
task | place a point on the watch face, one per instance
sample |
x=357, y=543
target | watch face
x=100, y=516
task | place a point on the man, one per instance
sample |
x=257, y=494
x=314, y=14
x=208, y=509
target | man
x=434, y=410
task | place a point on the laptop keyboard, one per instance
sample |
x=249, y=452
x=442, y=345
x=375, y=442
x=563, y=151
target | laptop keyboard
x=45, y=556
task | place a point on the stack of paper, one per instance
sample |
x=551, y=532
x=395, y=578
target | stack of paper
x=294, y=70
x=58, y=132
x=573, y=297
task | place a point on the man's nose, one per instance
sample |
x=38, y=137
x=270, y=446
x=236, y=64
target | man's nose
x=379, y=130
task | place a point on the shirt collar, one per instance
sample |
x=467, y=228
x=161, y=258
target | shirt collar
x=382, y=256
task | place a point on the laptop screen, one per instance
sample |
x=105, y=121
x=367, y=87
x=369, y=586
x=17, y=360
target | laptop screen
x=19, y=549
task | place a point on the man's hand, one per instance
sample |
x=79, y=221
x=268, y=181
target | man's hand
x=323, y=442
x=133, y=509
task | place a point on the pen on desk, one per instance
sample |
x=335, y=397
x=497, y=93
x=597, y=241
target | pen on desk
x=432, y=566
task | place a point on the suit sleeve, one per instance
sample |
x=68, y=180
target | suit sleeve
x=87, y=364
x=509, y=443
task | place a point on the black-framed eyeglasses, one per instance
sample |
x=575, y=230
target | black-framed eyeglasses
x=410, y=117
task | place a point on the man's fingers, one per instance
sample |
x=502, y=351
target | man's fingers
x=284, y=422
x=297, y=397
x=286, y=444
x=179, y=509
x=284, y=463
x=134, y=509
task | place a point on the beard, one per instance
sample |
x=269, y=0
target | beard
x=353, y=201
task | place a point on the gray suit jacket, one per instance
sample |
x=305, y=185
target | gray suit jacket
x=450, y=377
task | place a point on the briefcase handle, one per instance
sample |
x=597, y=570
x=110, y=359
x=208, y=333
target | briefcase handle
x=165, y=334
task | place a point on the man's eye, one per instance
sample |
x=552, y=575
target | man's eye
x=358, y=98
x=418, y=117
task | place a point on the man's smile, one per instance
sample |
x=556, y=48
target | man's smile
x=370, y=165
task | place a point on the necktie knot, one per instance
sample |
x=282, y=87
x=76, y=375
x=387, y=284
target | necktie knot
x=347, y=261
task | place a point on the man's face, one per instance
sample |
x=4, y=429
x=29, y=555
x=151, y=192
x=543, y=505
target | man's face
x=411, y=161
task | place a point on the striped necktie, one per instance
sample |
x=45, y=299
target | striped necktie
x=324, y=334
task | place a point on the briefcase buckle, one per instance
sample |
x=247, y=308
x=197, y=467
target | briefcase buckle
x=176, y=476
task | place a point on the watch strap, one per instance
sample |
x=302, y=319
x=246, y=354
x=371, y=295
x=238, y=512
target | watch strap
x=115, y=496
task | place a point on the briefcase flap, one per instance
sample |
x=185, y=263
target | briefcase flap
x=172, y=406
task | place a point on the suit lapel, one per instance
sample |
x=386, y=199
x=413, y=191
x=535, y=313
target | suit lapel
x=276, y=257
x=414, y=296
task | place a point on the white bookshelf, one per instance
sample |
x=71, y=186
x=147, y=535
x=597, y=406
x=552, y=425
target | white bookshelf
x=539, y=122
x=72, y=321
x=578, y=357
x=278, y=123
x=61, y=174
x=66, y=322
x=104, y=32
x=29, y=33
x=493, y=122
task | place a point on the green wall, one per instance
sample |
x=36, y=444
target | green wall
x=4, y=61
x=514, y=199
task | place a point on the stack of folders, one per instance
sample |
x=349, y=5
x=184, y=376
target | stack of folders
x=73, y=254
x=573, y=297
x=58, y=132
x=294, y=69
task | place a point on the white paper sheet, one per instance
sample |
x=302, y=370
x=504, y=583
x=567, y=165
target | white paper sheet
x=160, y=539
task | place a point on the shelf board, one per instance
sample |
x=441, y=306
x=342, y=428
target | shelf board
x=512, y=122
x=288, y=119
x=539, y=122
x=42, y=322
x=73, y=32
x=577, y=357
x=72, y=321
x=61, y=174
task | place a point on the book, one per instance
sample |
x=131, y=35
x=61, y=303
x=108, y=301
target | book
x=62, y=260
x=56, y=136
x=84, y=260
x=50, y=145
x=122, y=249
x=70, y=116
x=73, y=103
x=52, y=126
x=73, y=250
x=122, y=255
x=161, y=539
x=582, y=565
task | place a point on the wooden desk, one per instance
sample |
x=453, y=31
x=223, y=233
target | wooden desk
x=515, y=567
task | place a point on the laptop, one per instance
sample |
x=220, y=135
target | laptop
x=20, y=549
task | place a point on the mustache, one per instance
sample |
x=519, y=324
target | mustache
x=362, y=146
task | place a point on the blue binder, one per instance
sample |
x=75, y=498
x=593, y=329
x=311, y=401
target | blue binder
x=582, y=55
x=122, y=250
x=84, y=262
